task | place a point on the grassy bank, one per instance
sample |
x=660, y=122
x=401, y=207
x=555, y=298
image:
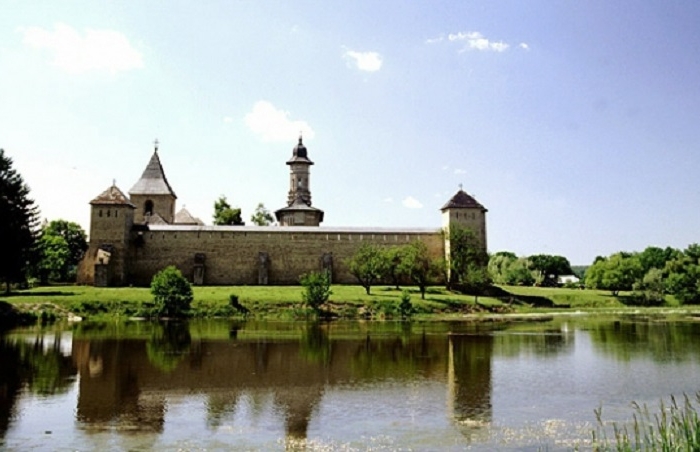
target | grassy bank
x=285, y=301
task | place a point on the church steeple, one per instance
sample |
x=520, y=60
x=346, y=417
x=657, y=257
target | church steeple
x=299, y=211
x=152, y=193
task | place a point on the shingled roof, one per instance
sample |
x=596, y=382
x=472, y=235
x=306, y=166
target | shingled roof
x=185, y=217
x=299, y=154
x=153, y=180
x=461, y=200
x=112, y=196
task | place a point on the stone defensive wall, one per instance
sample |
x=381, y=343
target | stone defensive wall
x=259, y=255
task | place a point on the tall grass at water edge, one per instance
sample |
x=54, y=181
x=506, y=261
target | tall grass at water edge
x=675, y=427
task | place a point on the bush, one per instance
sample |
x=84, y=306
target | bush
x=317, y=289
x=172, y=293
x=405, y=307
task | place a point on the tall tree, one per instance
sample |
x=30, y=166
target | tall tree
x=76, y=242
x=550, y=267
x=368, y=265
x=467, y=255
x=262, y=216
x=225, y=215
x=418, y=265
x=19, y=219
x=54, y=253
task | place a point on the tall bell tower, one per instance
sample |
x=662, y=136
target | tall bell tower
x=299, y=211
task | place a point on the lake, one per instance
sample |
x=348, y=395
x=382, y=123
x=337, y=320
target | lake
x=351, y=386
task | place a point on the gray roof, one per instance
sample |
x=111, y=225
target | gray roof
x=155, y=218
x=153, y=180
x=299, y=154
x=112, y=196
x=461, y=200
x=183, y=216
x=296, y=229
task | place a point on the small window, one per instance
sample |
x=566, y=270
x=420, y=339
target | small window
x=148, y=207
x=109, y=213
x=100, y=214
x=116, y=213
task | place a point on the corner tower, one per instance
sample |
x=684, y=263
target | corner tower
x=152, y=195
x=463, y=210
x=299, y=211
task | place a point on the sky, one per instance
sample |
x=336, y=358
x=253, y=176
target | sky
x=576, y=124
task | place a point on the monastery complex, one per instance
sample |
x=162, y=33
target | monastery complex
x=133, y=237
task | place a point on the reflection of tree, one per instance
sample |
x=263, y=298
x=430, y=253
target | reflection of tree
x=10, y=382
x=662, y=341
x=540, y=343
x=398, y=356
x=315, y=346
x=48, y=370
x=168, y=345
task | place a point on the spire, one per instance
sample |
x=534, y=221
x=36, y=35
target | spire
x=299, y=154
x=153, y=180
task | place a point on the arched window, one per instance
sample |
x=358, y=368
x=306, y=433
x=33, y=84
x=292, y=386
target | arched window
x=148, y=207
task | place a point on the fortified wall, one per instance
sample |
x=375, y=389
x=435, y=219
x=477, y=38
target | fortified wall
x=133, y=237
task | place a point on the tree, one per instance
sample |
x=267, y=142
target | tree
x=368, y=265
x=550, y=267
x=618, y=272
x=75, y=242
x=466, y=254
x=317, y=289
x=262, y=216
x=54, y=253
x=18, y=225
x=418, y=265
x=650, y=290
x=225, y=215
x=172, y=293
x=683, y=276
x=394, y=256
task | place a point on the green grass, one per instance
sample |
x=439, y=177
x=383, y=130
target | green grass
x=348, y=301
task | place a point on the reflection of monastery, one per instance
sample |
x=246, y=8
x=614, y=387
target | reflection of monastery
x=133, y=237
x=122, y=383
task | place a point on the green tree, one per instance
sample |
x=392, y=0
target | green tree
x=368, y=265
x=521, y=273
x=550, y=267
x=650, y=290
x=172, y=293
x=19, y=219
x=394, y=256
x=466, y=255
x=317, y=289
x=76, y=243
x=262, y=216
x=54, y=254
x=418, y=265
x=683, y=276
x=225, y=215
x=618, y=272
x=499, y=265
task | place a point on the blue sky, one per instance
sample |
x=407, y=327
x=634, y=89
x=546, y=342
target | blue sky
x=574, y=123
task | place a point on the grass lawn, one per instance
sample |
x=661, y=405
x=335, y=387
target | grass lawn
x=286, y=301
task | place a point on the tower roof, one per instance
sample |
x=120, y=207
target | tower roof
x=299, y=154
x=112, y=196
x=153, y=180
x=461, y=200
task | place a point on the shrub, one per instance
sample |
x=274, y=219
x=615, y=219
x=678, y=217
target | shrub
x=317, y=289
x=172, y=293
x=405, y=307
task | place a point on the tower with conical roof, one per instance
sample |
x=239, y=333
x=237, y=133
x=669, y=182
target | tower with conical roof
x=464, y=210
x=152, y=195
x=299, y=211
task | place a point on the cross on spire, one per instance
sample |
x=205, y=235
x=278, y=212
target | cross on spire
x=155, y=144
x=460, y=186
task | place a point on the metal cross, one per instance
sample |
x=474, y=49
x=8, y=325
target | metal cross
x=155, y=143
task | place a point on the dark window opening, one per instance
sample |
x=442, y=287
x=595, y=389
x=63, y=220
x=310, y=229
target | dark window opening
x=148, y=207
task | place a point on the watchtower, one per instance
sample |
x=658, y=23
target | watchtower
x=152, y=195
x=464, y=210
x=299, y=211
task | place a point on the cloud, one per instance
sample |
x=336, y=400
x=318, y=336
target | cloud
x=460, y=171
x=474, y=40
x=228, y=120
x=524, y=46
x=412, y=203
x=274, y=125
x=364, y=61
x=388, y=199
x=93, y=50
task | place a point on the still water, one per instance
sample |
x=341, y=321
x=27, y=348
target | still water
x=339, y=386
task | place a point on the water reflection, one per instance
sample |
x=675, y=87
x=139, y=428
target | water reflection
x=132, y=375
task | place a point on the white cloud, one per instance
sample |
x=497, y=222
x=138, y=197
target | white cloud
x=435, y=40
x=389, y=199
x=364, y=61
x=228, y=120
x=460, y=171
x=411, y=203
x=476, y=41
x=524, y=46
x=93, y=50
x=274, y=125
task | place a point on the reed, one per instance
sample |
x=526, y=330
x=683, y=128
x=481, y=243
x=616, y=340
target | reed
x=674, y=427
